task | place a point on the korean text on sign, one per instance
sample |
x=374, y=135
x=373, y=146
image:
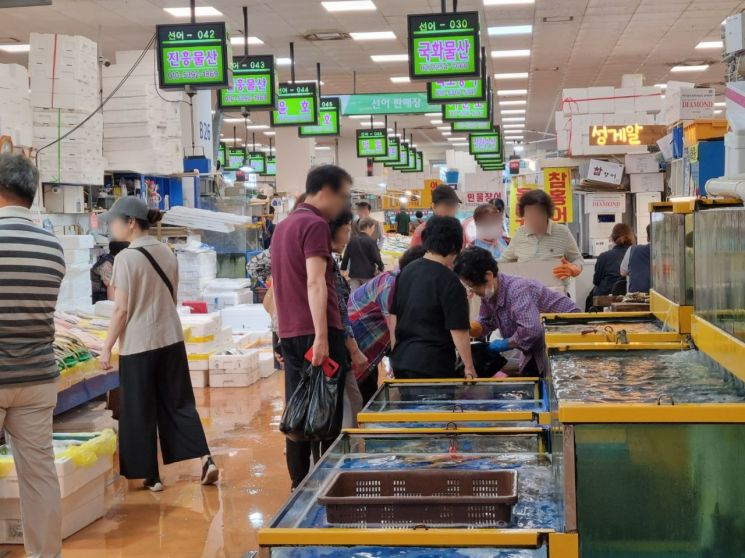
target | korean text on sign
x=557, y=182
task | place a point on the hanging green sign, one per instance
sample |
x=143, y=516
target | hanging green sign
x=257, y=161
x=483, y=143
x=386, y=103
x=271, y=166
x=328, y=120
x=465, y=111
x=448, y=91
x=297, y=104
x=236, y=158
x=372, y=143
x=471, y=126
x=403, y=157
x=444, y=45
x=393, y=156
x=221, y=151
x=254, y=85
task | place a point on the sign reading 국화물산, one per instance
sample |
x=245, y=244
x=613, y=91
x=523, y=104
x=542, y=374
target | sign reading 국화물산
x=444, y=45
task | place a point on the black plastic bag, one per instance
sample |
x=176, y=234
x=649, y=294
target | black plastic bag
x=485, y=363
x=324, y=418
x=292, y=424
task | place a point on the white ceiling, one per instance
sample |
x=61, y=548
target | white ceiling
x=604, y=40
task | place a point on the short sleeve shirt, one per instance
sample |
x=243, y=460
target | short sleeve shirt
x=301, y=235
x=429, y=301
x=152, y=319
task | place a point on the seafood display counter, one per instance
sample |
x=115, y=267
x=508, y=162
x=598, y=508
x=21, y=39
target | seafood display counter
x=535, y=528
x=652, y=444
x=470, y=402
x=606, y=327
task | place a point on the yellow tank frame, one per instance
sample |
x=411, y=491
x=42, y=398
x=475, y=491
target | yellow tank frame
x=672, y=315
x=720, y=346
x=559, y=338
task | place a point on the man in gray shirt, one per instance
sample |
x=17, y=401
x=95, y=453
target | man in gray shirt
x=32, y=266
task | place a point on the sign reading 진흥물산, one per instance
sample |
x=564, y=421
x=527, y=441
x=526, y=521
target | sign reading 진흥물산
x=444, y=45
x=194, y=54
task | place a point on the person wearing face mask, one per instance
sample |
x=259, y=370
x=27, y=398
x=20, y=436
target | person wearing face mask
x=511, y=304
x=489, y=229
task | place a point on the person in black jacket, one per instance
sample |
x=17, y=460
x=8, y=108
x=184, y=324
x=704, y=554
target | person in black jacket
x=608, y=266
x=362, y=257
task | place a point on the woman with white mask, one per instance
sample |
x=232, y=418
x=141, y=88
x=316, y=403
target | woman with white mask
x=489, y=220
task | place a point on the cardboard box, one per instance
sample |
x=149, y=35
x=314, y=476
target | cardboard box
x=688, y=104
x=605, y=203
x=643, y=199
x=648, y=182
x=604, y=172
x=638, y=163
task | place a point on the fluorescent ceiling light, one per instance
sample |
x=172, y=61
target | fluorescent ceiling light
x=257, y=127
x=349, y=6
x=234, y=120
x=15, y=48
x=455, y=139
x=512, y=103
x=231, y=140
x=513, y=111
x=515, y=53
x=513, y=138
x=519, y=148
x=661, y=85
x=504, y=30
x=240, y=41
x=401, y=79
x=200, y=11
x=512, y=75
x=446, y=128
x=720, y=104
x=373, y=36
x=378, y=123
x=283, y=61
x=432, y=114
x=447, y=133
x=710, y=44
x=459, y=145
x=323, y=148
x=514, y=119
x=359, y=116
x=270, y=133
x=436, y=122
x=520, y=126
x=307, y=81
x=511, y=92
x=389, y=57
x=694, y=68
x=717, y=112
x=507, y=2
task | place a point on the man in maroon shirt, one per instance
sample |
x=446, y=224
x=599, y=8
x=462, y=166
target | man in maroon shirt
x=305, y=294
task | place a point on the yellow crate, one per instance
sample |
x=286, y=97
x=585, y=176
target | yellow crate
x=699, y=130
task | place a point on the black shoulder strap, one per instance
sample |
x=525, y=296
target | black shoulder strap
x=157, y=268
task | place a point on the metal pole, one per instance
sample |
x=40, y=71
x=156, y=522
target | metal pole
x=292, y=62
x=354, y=82
x=193, y=10
x=444, y=6
x=245, y=31
x=271, y=142
x=245, y=133
x=371, y=121
x=318, y=78
x=253, y=139
x=455, y=5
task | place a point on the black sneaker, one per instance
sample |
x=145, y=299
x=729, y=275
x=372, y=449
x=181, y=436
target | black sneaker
x=210, y=472
x=154, y=485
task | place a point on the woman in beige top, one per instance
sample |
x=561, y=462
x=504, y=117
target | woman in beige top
x=157, y=400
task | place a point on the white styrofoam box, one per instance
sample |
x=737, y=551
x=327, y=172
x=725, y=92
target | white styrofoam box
x=605, y=203
x=77, y=241
x=210, y=344
x=225, y=284
x=75, y=256
x=603, y=99
x=246, y=316
x=601, y=224
x=648, y=182
x=573, y=101
x=54, y=199
x=199, y=378
x=688, y=104
x=648, y=99
x=637, y=163
x=198, y=363
x=266, y=363
x=246, y=359
x=79, y=510
x=734, y=33
x=242, y=378
x=665, y=144
x=202, y=325
x=14, y=76
x=82, y=304
x=563, y=130
x=604, y=171
x=734, y=154
x=643, y=199
x=624, y=100
x=104, y=308
x=599, y=245
x=74, y=199
x=217, y=300
x=632, y=80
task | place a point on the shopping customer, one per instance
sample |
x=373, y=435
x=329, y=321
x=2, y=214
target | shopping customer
x=156, y=395
x=490, y=229
x=403, y=221
x=608, y=265
x=305, y=293
x=430, y=309
x=445, y=203
x=540, y=239
x=511, y=304
x=101, y=273
x=369, y=313
x=362, y=257
x=363, y=212
x=636, y=267
x=32, y=264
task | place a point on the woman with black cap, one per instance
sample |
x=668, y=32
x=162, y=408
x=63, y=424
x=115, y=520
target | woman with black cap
x=157, y=400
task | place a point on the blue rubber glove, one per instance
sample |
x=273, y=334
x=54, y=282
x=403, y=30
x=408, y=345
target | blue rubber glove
x=499, y=346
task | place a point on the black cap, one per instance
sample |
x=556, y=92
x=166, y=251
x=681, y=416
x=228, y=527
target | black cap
x=445, y=194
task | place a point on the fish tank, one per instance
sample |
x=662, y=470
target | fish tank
x=606, y=327
x=672, y=256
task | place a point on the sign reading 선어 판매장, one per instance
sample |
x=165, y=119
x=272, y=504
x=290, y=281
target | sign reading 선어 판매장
x=626, y=134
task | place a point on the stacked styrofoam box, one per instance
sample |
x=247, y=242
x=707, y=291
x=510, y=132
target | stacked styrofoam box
x=266, y=363
x=642, y=217
x=63, y=72
x=599, y=228
x=15, y=105
x=142, y=125
x=81, y=489
x=687, y=103
x=224, y=293
x=75, y=290
x=234, y=368
x=247, y=317
x=197, y=266
x=204, y=335
x=644, y=173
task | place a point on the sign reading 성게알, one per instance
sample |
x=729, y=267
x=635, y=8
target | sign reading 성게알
x=372, y=143
x=626, y=134
x=194, y=54
x=297, y=104
x=444, y=45
x=253, y=84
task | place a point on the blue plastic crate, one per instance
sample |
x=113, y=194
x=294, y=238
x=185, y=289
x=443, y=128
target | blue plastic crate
x=678, y=144
x=708, y=164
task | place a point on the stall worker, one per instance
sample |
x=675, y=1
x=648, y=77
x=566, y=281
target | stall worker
x=511, y=304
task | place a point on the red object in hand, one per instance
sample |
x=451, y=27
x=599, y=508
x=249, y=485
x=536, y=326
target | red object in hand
x=330, y=366
x=197, y=306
